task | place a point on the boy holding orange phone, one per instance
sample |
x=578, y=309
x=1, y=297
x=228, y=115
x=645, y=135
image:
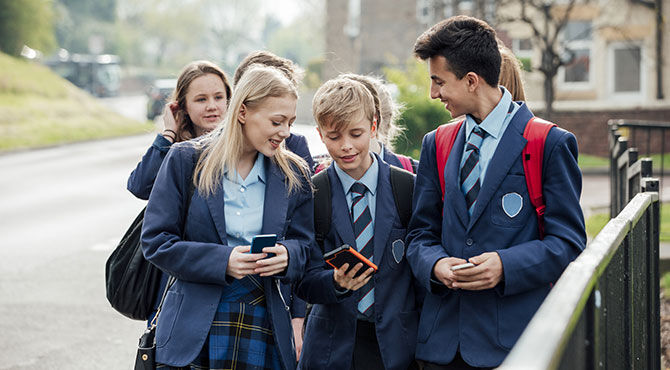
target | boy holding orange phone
x=367, y=320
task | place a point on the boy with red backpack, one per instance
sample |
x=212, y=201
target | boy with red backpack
x=475, y=239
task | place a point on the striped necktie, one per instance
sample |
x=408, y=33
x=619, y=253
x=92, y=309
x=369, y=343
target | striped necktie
x=364, y=232
x=470, y=170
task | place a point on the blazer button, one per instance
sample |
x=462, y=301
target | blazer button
x=469, y=242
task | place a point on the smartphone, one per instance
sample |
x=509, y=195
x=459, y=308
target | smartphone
x=259, y=242
x=462, y=266
x=346, y=254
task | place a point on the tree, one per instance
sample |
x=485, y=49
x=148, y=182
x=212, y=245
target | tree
x=421, y=114
x=547, y=21
x=26, y=22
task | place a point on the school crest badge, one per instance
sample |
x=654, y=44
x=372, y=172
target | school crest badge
x=512, y=203
x=398, y=250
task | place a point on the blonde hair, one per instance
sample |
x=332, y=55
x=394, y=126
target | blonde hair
x=223, y=147
x=193, y=70
x=510, y=73
x=340, y=101
x=387, y=110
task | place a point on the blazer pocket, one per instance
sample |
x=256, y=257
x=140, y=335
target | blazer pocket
x=318, y=341
x=514, y=313
x=510, y=205
x=409, y=322
x=167, y=317
x=428, y=316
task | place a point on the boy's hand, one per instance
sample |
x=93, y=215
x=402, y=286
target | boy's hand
x=486, y=274
x=442, y=270
x=273, y=265
x=345, y=279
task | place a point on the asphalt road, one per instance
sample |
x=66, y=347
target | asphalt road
x=62, y=212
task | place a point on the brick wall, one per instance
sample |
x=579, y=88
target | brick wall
x=590, y=128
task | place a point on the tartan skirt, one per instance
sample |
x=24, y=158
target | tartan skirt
x=240, y=337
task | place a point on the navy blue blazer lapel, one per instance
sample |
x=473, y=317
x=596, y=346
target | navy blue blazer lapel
x=383, y=220
x=215, y=202
x=454, y=200
x=508, y=151
x=276, y=199
x=341, y=218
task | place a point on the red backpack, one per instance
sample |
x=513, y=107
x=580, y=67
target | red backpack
x=536, y=133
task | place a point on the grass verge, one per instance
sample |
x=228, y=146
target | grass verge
x=38, y=108
x=597, y=221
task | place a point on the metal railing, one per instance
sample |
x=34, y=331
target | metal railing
x=604, y=311
x=647, y=135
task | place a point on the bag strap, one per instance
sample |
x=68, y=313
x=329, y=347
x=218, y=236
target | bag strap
x=322, y=207
x=445, y=136
x=536, y=132
x=171, y=280
x=406, y=163
x=402, y=184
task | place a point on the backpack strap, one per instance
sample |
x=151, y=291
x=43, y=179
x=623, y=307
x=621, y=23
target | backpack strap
x=322, y=207
x=445, y=136
x=536, y=132
x=402, y=185
x=406, y=163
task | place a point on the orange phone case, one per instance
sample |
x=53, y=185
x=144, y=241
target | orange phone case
x=346, y=254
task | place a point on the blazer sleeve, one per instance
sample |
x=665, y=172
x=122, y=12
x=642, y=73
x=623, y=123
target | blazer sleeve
x=532, y=264
x=424, y=236
x=142, y=178
x=162, y=231
x=299, y=235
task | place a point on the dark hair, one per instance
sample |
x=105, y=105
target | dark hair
x=193, y=70
x=468, y=44
x=266, y=58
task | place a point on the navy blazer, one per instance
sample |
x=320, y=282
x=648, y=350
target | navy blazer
x=484, y=325
x=331, y=327
x=200, y=259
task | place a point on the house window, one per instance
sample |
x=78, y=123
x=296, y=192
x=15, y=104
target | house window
x=627, y=61
x=577, y=40
x=626, y=70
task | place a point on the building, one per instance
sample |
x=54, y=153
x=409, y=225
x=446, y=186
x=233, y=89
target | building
x=616, y=71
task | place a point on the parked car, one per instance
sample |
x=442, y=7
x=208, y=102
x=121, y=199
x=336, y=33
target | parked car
x=158, y=94
x=100, y=74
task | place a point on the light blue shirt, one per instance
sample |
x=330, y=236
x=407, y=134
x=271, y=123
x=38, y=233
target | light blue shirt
x=243, y=204
x=369, y=179
x=495, y=125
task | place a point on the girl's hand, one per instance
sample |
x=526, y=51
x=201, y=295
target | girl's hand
x=169, y=121
x=273, y=265
x=345, y=279
x=242, y=263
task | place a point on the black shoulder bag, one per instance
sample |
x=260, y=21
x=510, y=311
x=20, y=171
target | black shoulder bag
x=131, y=281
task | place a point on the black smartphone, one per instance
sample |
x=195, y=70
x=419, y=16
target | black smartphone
x=259, y=242
x=347, y=254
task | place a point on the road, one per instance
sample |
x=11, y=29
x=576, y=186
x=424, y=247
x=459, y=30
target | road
x=63, y=211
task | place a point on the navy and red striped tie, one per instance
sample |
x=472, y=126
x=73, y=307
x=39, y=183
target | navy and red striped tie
x=364, y=232
x=470, y=170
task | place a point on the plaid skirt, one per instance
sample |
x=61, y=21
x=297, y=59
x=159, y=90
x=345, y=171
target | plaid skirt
x=240, y=337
